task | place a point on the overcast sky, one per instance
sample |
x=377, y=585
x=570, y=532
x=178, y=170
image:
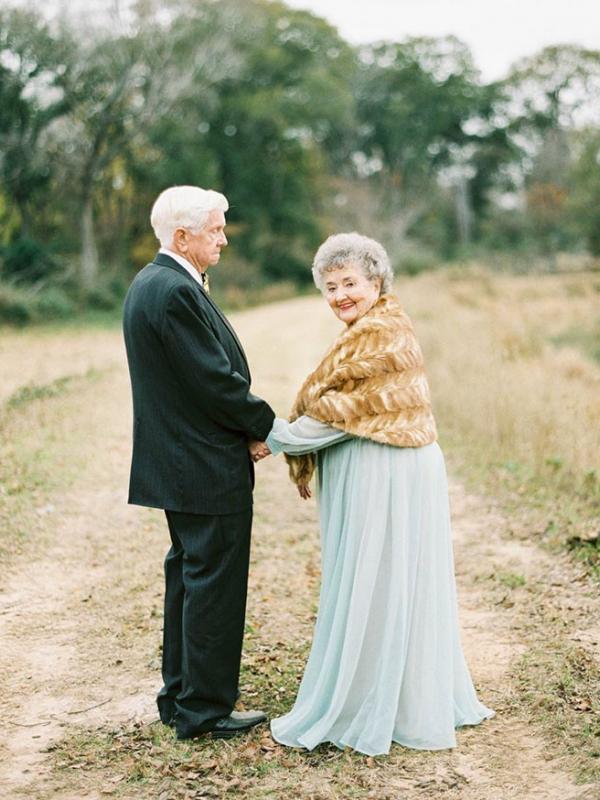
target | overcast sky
x=497, y=32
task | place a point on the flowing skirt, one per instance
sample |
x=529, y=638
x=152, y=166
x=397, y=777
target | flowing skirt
x=386, y=663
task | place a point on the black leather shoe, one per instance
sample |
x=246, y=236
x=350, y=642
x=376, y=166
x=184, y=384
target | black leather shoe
x=237, y=722
x=169, y=721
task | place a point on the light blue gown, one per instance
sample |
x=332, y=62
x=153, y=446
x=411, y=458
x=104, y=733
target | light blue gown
x=386, y=664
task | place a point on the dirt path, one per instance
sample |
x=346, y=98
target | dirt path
x=80, y=609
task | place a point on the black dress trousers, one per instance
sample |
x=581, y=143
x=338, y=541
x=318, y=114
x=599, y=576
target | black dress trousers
x=206, y=574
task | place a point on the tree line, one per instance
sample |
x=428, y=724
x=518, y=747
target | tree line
x=303, y=132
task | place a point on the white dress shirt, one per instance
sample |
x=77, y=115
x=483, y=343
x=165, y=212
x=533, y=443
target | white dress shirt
x=197, y=276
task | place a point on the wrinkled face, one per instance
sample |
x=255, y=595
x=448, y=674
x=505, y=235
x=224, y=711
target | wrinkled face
x=202, y=249
x=350, y=293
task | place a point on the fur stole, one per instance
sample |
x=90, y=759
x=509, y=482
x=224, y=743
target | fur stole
x=371, y=383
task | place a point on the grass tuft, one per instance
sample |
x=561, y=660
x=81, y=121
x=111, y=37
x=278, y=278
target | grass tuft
x=33, y=391
x=557, y=683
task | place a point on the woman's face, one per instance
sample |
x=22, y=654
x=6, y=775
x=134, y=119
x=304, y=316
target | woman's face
x=350, y=293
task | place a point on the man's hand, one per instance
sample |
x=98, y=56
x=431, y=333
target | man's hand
x=258, y=450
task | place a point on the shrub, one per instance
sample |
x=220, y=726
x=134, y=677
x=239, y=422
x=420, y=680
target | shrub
x=19, y=306
x=27, y=261
x=16, y=306
x=53, y=303
x=414, y=263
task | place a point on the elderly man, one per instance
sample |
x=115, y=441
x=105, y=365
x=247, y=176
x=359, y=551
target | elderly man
x=197, y=428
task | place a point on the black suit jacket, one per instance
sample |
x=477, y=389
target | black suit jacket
x=192, y=406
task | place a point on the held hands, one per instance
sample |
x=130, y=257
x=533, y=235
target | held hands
x=258, y=450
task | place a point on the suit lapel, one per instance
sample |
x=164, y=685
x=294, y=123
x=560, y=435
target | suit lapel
x=228, y=326
x=163, y=260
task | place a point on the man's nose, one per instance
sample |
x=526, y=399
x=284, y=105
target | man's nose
x=223, y=240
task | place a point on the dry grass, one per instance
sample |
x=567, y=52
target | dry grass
x=497, y=374
x=517, y=389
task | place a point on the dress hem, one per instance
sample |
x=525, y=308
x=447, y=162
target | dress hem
x=341, y=745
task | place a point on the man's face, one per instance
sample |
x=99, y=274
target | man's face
x=203, y=249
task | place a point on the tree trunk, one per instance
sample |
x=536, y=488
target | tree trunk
x=89, y=251
x=464, y=214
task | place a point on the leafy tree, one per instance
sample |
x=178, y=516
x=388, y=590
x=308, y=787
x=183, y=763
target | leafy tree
x=266, y=119
x=35, y=65
x=584, y=179
x=559, y=87
x=109, y=90
x=546, y=96
x=426, y=116
x=412, y=100
x=304, y=133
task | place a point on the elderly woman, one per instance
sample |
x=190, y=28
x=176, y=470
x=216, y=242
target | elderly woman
x=386, y=664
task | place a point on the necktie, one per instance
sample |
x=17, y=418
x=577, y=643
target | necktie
x=205, y=282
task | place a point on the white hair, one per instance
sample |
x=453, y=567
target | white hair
x=183, y=207
x=345, y=249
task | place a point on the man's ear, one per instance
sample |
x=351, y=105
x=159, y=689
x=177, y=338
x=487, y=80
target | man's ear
x=180, y=239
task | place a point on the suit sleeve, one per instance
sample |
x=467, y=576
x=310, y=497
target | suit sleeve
x=203, y=367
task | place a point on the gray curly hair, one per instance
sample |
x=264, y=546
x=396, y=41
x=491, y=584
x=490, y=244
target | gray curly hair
x=343, y=249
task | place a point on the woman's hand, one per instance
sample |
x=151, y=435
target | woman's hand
x=304, y=491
